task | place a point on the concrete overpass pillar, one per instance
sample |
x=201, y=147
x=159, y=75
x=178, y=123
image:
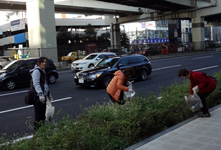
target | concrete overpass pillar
x=41, y=28
x=115, y=36
x=198, y=33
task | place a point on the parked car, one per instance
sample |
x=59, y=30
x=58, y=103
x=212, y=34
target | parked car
x=169, y=48
x=4, y=60
x=102, y=73
x=72, y=56
x=17, y=73
x=151, y=51
x=89, y=61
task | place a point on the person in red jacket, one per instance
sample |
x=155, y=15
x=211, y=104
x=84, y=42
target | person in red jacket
x=117, y=85
x=199, y=82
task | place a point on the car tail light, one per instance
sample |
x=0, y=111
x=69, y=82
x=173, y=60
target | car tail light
x=108, y=51
x=138, y=53
x=69, y=58
x=144, y=52
x=62, y=58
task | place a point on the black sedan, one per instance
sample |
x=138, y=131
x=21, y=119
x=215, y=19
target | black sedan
x=103, y=71
x=17, y=73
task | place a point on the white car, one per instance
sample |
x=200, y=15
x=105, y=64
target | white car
x=89, y=61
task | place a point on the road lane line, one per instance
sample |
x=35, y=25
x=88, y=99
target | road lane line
x=13, y=93
x=19, y=108
x=203, y=57
x=207, y=68
x=65, y=71
x=167, y=67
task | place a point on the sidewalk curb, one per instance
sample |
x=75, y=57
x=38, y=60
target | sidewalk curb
x=145, y=141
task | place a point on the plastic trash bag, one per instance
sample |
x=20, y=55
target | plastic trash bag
x=194, y=101
x=127, y=94
x=49, y=111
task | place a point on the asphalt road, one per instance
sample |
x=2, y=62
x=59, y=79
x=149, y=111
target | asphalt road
x=16, y=117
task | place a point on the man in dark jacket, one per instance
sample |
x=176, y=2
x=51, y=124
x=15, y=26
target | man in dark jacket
x=199, y=82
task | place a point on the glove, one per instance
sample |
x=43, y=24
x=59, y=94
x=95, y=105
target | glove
x=195, y=88
x=42, y=98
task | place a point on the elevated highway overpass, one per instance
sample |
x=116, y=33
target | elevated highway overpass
x=198, y=11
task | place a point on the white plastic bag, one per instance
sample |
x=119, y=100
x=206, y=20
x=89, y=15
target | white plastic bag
x=128, y=94
x=49, y=111
x=194, y=101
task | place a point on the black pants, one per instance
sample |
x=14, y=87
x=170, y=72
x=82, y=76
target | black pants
x=39, y=109
x=121, y=100
x=203, y=96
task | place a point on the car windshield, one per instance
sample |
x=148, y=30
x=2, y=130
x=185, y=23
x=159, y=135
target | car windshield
x=108, y=62
x=92, y=56
x=69, y=54
x=12, y=65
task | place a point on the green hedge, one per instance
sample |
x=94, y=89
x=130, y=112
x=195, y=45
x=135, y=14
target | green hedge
x=110, y=126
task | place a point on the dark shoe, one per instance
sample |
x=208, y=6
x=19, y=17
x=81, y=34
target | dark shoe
x=203, y=115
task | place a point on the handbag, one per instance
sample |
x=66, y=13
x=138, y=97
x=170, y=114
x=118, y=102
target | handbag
x=29, y=98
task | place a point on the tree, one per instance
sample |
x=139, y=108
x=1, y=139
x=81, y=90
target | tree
x=104, y=40
x=63, y=36
x=90, y=34
x=124, y=40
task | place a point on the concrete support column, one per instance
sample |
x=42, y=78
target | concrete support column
x=115, y=36
x=41, y=28
x=198, y=33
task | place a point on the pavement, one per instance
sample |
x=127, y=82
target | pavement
x=192, y=134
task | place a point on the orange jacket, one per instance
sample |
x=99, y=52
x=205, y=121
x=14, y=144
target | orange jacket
x=116, y=85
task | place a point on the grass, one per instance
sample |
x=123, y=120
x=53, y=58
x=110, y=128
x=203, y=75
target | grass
x=110, y=126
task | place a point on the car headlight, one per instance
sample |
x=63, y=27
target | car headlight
x=94, y=76
x=2, y=75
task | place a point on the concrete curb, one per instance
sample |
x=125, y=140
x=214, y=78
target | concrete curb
x=145, y=141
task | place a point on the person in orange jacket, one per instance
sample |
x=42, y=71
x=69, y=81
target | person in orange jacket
x=199, y=82
x=117, y=85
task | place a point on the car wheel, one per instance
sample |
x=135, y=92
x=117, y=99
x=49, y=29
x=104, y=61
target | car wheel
x=91, y=65
x=52, y=79
x=10, y=84
x=143, y=75
x=0, y=67
x=106, y=81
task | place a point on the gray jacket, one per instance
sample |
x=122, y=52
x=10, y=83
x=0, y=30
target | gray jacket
x=36, y=74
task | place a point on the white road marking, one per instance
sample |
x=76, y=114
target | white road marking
x=203, y=57
x=19, y=108
x=167, y=67
x=65, y=71
x=13, y=93
x=207, y=68
x=14, y=141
